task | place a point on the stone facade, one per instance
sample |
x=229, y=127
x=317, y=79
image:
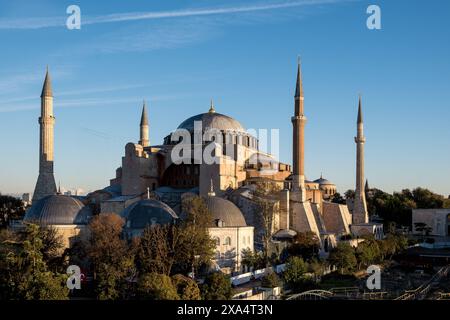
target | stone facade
x=230, y=242
x=337, y=218
x=437, y=219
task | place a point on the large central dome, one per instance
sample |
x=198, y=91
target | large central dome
x=214, y=120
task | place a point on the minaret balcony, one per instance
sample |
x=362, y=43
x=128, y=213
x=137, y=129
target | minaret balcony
x=298, y=118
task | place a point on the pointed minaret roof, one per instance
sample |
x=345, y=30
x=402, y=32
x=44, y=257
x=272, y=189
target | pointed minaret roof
x=366, y=187
x=211, y=107
x=299, y=84
x=360, y=118
x=47, y=88
x=144, y=116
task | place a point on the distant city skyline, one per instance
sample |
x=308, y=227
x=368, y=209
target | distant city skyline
x=243, y=56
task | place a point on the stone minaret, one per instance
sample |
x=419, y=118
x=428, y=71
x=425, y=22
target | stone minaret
x=298, y=152
x=45, y=184
x=144, y=141
x=360, y=214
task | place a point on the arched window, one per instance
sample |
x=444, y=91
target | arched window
x=326, y=245
x=227, y=241
x=217, y=240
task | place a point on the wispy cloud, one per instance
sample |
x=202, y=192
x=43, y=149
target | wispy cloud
x=17, y=81
x=88, y=102
x=49, y=22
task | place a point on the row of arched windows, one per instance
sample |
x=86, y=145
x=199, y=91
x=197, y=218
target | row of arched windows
x=227, y=241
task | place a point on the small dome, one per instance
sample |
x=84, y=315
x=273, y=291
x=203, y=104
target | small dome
x=147, y=212
x=58, y=210
x=225, y=211
x=321, y=181
x=212, y=120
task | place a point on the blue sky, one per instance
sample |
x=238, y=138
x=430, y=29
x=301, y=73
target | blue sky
x=180, y=54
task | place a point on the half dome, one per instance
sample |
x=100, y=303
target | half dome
x=147, y=212
x=225, y=211
x=58, y=210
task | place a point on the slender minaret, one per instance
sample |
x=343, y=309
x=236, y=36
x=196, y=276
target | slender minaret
x=360, y=214
x=298, y=152
x=45, y=184
x=144, y=141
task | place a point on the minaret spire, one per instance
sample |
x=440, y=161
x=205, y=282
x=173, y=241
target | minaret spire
x=360, y=119
x=45, y=184
x=211, y=107
x=144, y=127
x=298, y=123
x=299, y=84
x=360, y=214
x=47, y=87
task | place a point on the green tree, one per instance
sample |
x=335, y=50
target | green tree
x=426, y=199
x=294, y=274
x=177, y=248
x=343, y=257
x=317, y=267
x=349, y=194
x=155, y=286
x=110, y=256
x=252, y=259
x=194, y=246
x=187, y=288
x=367, y=253
x=24, y=273
x=306, y=245
x=265, y=196
x=217, y=286
x=10, y=208
x=337, y=198
x=157, y=249
x=270, y=280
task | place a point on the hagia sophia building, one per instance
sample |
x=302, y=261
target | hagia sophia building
x=150, y=186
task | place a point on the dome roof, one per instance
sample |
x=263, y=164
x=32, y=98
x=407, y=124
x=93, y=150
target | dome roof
x=321, y=181
x=147, y=212
x=212, y=120
x=58, y=210
x=225, y=211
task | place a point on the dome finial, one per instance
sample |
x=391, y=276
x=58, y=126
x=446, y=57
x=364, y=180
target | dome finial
x=321, y=176
x=211, y=108
x=211, y=192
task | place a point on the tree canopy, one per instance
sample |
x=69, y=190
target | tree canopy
x=24, y=273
